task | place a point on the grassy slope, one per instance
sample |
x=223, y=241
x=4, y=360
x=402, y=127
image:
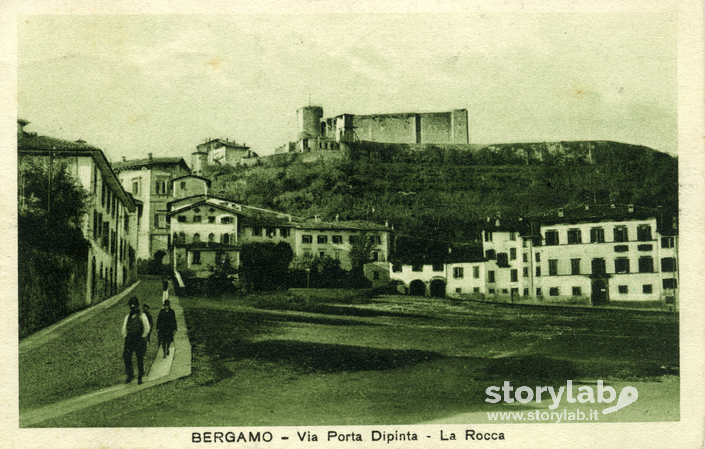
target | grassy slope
x=372, y=364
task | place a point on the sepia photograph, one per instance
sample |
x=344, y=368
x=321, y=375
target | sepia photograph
x=320, y=227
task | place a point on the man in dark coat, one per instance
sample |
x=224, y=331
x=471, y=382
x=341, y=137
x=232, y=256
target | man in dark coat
x=135, y=329
x=166, y=326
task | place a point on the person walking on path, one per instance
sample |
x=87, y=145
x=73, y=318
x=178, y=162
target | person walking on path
x=165, y=290
x=135, y=329
x=166, y=326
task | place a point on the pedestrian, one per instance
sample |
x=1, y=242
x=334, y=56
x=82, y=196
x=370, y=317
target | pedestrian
x=165, y=290
x=135, y=329
x=145, y=310
x=166, y=326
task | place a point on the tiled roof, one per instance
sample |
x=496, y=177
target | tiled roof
x=149, y=162
x=358, y=225
x=26, y=142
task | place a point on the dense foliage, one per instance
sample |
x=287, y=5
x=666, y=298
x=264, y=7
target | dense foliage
x=52, y=252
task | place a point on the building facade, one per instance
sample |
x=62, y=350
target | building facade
x=149, y=181
x=221, y=152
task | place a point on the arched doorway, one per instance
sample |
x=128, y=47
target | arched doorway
x=417, y=288
x=438, y=288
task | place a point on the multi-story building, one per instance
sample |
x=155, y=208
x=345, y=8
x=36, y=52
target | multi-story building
x=111, y=219
x=618, y=254
x=221, y=152
x=206, y=229
x=597, y=255
x=149, y=180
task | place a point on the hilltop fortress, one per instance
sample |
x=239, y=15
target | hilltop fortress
x=318, y=133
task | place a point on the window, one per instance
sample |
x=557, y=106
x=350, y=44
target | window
x=196, y=258
x=458, y=290
x=160, y=220
x=538, y=272
x=490, y=291
x=182, y=238
x=284, y=232
x=458, y=272
x=338, y=239
x=376, y=239
x=476, y=289
x=417, y=267
x=352, y=239
x=183, y=185
x=668, y=264
x=490, y=276
x=211, y=219
x=574, y=266
x=597, y=235
x=621, y=234
x=512, y=253
x=538, y=257
x=226, y=220
x=647, y=289
x=539, y=292
x=645, y=247
x=621, y=265
x=306, y=239
x=667, y=242
x=196, y=238
x=525, y=257
x=553, y=267
x=375, y=256
x=621, y=248
x=196, y=218
x=643, y=233
x=257, y=231
x=669, y=283
x=553, y=291
x=322, y=239
x=574, y=237
x=375, y=275
x=502, y=260
x=525, y=272
x=136, y=184
x=211, y=238
x=437, y=266
x=577, y=291
x=598, y=267
x=623, y=289
x=512, y=236
x=488, y=236
x=476, y=272
x=526, y=292
x=322, y=254
x=646, y=264
x=490, y=254
x=396, y=268
x=514, y=276
x=551, y=238
x=160, y=187
x=336, y=254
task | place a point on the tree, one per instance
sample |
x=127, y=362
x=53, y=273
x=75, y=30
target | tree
x=265, y=266
x=360, y=253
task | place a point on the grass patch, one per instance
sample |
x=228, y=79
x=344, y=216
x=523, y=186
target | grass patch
x=389, y=360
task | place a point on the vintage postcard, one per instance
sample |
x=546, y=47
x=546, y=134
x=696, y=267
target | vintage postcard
x=313, y=224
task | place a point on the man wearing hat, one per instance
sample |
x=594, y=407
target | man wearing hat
x=135, y=329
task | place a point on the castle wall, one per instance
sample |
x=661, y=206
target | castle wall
x=398, y=128
x=436, y=127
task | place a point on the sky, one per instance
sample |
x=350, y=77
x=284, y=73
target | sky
x=162, y=84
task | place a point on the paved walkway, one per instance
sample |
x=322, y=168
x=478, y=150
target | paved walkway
x=177, y=364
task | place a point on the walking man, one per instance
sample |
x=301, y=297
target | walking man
x=135, y=329
x=165, y=290
x=166, y=326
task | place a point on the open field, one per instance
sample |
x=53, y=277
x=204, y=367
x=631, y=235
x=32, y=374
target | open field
x=396, y=360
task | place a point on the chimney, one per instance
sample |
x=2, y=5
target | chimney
x=560, y=212
x=630, y=208
x=150, y=157
x=496, y=222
